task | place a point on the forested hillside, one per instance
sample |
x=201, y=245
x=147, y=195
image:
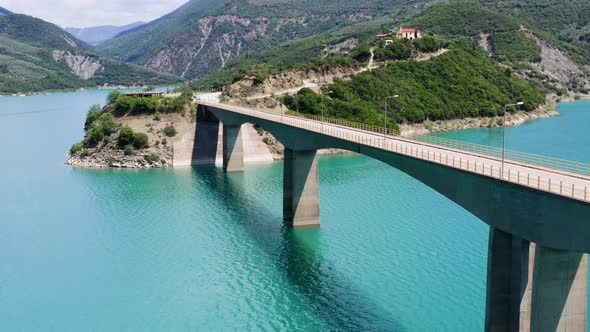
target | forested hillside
x=461, y=83
x=217, y=31
x=38, y=56
x=568, y=20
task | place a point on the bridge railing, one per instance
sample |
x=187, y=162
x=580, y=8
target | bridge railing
x=545, y=180
x=523, y=157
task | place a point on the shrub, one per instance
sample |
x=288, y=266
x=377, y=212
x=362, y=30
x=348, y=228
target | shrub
x=124, y=105
x=75, y=148
x=170, y=131
x=85, y=153
x=113, y=96
x=94, y=137
x=259, y=79
x=289, y=101
x=126, y=136
x=157, y=116
x=93, y=114
x=129, y=150
x=152, y=158
x=140, y=141
x=107, y=123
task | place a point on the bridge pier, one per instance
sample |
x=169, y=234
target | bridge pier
x=534, y=288
x=508, y=264
x=560, y=291
x=301, y=195
x=233, y=149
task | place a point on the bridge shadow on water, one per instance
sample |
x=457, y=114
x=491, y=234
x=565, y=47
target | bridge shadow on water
x=330, y=296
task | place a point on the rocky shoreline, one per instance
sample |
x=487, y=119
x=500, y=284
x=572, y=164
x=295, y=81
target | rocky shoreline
x=512, y=119
x=116, y=159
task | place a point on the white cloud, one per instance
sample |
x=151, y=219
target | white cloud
x=87, y=13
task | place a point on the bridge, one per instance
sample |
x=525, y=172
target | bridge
x=538, y=208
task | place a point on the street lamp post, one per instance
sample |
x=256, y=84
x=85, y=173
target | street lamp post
x=520, y=103
x=385, y=115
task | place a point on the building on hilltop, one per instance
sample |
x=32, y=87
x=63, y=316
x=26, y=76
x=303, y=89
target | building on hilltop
x=409, y=33
x=402, y=33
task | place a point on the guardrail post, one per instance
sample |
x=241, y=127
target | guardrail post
x=549, y=184
x=539, y=182
x=528, y=179
x=573, y=192
x=560, y=187
x=585, y=193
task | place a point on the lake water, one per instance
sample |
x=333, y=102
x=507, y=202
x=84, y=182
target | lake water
x=195, y=249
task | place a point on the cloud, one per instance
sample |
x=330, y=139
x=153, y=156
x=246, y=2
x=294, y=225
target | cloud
x=87, y=13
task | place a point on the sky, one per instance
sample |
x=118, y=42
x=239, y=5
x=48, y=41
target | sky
x=88, y=13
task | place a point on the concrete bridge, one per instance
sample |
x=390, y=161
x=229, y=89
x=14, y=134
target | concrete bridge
x=538, y=209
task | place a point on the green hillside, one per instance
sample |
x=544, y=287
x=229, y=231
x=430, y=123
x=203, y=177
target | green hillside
x=567, y=20
x=37, y=56
x=468, y=19
x=458, y=84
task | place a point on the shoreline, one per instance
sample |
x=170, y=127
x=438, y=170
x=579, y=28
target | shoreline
x=512, y=120
x=82, y=89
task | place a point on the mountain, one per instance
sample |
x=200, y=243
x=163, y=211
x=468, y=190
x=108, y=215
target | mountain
x=97, y=35
x=204, y=35
x=567, y=20
x=522, y=41
x=38, y=56
x=4, y=11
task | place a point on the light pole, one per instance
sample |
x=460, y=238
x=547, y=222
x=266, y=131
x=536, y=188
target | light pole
x=385, y=115
x=520, y=103
x=330, y=93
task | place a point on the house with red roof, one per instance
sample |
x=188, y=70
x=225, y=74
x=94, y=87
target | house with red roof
x=409, y=33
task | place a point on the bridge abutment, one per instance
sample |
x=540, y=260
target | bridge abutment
x=301, y=194
x=233, y=149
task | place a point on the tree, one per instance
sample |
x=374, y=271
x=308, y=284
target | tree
x=107, y=123
x=94, y=137
x=113, y=96
x=93, y=114
x=124, y=105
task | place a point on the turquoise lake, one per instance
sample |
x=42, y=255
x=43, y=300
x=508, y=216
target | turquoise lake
x=199, y=250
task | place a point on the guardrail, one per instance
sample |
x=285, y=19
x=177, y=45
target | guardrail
x=527, y=158
x=370, y=136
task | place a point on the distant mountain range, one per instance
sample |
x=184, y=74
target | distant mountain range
x=37, y=56
x=97, y=35
x=204, y=35
x=5, y=11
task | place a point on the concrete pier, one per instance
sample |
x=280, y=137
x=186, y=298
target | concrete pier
x=560, y=291
x=233, y=148
x=508, y=265
x=301, y=195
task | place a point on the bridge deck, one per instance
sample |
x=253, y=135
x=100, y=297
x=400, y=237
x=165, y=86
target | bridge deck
x=553, y=180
